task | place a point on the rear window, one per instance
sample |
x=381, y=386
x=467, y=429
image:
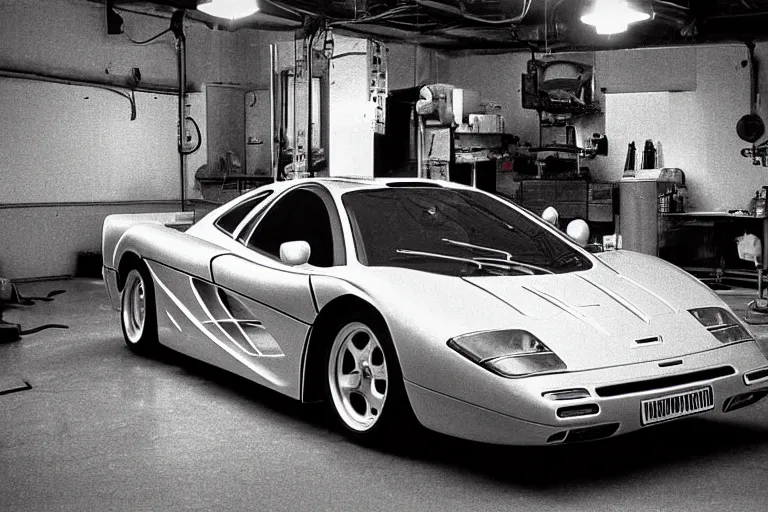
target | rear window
x=230, y=220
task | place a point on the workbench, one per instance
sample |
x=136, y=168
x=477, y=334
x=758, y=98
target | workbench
x=704, y=244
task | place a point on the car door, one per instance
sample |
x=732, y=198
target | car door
x=262, y=307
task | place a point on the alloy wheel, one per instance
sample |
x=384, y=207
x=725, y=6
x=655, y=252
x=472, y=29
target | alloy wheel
x=134, y=306
x=357, y=373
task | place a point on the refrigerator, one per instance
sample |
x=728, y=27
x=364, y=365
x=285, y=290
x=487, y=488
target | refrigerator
x=644, y=197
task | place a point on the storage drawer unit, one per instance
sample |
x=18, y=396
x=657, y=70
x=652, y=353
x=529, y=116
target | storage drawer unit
x=568, y=197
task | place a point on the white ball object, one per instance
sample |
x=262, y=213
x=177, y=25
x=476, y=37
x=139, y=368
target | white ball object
x=550, y=215
x=578, y=230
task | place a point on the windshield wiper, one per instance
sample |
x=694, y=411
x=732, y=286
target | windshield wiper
x=479, y=264
x=507, y=255
x=567, y=259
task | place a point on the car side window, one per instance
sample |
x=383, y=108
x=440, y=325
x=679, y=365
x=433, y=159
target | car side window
x=300, y=214
x=230, y=220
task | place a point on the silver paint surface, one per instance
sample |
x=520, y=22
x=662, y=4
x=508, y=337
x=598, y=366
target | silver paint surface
x=591, y=319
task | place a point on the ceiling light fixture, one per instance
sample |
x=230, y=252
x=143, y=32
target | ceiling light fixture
x=612, y=16
x=230, y=9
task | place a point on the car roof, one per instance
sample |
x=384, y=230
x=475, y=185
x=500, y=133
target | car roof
x=339, y=185
x=342, y=184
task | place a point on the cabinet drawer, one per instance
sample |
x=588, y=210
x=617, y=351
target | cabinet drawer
x=539, y=190
x=600, y=212
x=571, y=210
x=601, y=192
x=571, y=191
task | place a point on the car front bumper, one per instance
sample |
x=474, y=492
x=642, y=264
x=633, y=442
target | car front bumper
x=534, y=420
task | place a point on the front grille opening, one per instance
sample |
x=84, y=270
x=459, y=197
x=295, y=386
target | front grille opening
x=557, y=436
x=578, y=410
x=751, y=377
x=664, y=382
x=591, y=433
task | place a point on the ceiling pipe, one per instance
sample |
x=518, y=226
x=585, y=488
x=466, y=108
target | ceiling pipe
x=309, y=54
x=459, y=11
x=676, y=21
x=671, y=5
x=40, y=77
x=177, y=27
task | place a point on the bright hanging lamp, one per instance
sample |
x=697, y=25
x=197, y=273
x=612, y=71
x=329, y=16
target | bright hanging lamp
x=229, y=9
x=612, y=16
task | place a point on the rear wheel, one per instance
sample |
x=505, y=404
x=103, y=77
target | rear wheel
x=364, y=385
x=138, y=317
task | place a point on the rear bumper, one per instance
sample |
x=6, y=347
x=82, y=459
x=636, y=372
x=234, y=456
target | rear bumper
x=534, y=420
x=110, y=281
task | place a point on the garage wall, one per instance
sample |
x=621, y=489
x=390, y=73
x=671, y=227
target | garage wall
x=497, y=78
x=410, y=65
x=696, y=128
x=77, y=144
x=69, y=37
x=71, y=155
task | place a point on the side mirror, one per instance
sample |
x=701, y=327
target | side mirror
x=295, y=253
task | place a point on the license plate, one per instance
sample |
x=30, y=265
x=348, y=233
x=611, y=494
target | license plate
x=676, y=406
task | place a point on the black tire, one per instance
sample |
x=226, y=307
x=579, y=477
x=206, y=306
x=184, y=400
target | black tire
x=138, y=316
x=365, y=409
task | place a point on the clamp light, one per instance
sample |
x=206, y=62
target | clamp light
x=229, y=9
x=612, y=16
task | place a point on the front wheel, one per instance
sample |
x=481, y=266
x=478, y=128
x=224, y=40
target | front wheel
x=138, y=311
x=364, y=385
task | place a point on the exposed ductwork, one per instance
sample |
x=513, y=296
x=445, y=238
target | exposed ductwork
x=491, y=24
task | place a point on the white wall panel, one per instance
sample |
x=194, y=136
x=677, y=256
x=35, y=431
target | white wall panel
x=648, y=70
x=74, y=144
x=351, y=114
x=697, y=130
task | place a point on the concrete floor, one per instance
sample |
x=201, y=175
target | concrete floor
x=103, y=429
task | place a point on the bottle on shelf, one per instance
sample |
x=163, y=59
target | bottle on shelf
x=673, y=199
x=760, y=203
x=753, y=203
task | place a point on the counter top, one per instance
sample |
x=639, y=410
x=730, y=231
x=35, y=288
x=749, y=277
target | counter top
x=725, y=215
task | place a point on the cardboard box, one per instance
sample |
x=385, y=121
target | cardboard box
x=486, y=123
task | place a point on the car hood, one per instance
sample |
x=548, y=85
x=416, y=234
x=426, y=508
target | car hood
x=628, y=308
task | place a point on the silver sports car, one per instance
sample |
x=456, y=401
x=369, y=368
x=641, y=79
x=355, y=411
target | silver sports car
x=402, y=300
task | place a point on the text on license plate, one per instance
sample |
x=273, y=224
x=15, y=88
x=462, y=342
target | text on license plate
x=677, y=405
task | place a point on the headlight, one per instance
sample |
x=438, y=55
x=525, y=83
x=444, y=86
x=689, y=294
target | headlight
x=722, y=324
x=509, y=353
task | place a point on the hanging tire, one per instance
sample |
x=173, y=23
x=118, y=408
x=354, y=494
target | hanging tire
x=137, y=313
x=364, y=385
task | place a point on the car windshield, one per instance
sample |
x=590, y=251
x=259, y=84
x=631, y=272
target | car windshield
x=453, y=232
